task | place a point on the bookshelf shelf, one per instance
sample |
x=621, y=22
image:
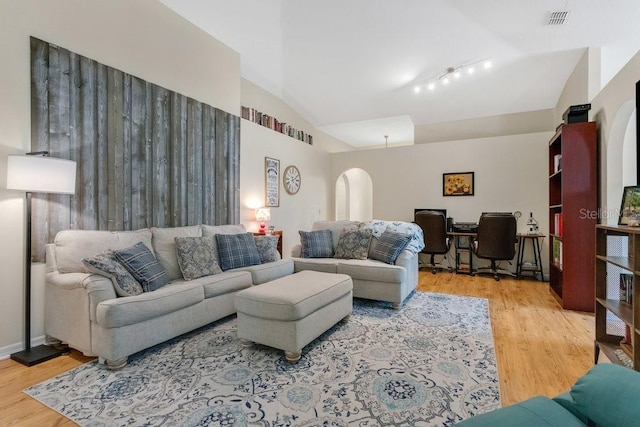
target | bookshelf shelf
x=617, y=313
x=274, y=124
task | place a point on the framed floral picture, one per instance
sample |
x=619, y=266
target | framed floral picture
x=271, y=182
x=458, y=184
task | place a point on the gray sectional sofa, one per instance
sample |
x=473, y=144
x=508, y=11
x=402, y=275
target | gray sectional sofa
x=372, y=279
x=88, y=312
x=83, y=310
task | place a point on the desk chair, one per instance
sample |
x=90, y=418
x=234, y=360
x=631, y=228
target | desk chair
x=434, y=229
x=496, y=241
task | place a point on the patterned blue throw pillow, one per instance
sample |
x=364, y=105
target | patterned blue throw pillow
x=106, y=264
x=197, y=257
x=268, y=248
x=143, y=266
x=316, y=244
x=389, y=246
x=354, y=243
x=237, y=250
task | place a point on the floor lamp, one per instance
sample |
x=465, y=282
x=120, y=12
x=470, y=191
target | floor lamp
x=37, y=173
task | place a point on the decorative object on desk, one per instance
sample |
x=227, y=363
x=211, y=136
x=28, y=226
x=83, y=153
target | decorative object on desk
x=458, y=184
x=37, y=173
x=291, y=179
x=532, y=224
x=630, y=207
x=263, y=215
x=270, y=230
x=272, y=182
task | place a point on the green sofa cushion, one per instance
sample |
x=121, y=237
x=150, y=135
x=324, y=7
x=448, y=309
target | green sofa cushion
x=608, y=395
x=537, y=411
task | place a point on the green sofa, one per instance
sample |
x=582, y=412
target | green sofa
x=606, y=396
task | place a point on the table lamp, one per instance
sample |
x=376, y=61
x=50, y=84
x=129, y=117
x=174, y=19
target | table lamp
x=37, y=173
x=263, y=215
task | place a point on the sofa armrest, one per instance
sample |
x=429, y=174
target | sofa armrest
x=405, y=259
x=98, y=288
x=296, y=251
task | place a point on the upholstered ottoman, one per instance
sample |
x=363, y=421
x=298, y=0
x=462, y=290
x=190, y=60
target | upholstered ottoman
x=290, y=312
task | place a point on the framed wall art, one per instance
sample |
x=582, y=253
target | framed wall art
x=271, y=182
x=458, y=184
x=630, y=208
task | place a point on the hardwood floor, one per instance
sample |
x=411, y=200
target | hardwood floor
x=541, y=349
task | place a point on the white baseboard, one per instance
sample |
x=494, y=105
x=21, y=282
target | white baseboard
x=8, y=350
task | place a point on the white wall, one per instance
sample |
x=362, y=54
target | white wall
x=510, y=174
x=296, y=212
x=613, y=108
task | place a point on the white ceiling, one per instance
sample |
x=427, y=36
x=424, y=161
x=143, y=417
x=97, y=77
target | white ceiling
x=350, y=66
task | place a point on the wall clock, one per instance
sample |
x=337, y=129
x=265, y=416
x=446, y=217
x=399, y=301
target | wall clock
x=291, y=179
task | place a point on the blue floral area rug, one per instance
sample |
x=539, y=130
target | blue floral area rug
x=432, y=363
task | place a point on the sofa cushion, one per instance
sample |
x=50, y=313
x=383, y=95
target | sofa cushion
x=606, y=395
x=371, y=270
x=267, y=248
x=316, y=244
x=143, y=266
x=164, y=246
x=196, y=257
x=237, y=250
x=224, y=283
x=537, y=411
x=389, y=246
x=263, y=273
x=72, y=246
x=107, y=265
x=325, y=265
x=118, y=312
x=353, y=243
x=293, y=297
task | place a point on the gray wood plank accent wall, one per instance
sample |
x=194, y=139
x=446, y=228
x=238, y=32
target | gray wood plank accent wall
x=147, y=156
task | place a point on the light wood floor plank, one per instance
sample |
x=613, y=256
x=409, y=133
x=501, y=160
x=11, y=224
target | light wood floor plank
x=541, y=349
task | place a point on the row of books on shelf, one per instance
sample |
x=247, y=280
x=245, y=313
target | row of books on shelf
x=626, y=287
x=557, y=224
x=272, y=123
x=557, y=163
x=557, y=252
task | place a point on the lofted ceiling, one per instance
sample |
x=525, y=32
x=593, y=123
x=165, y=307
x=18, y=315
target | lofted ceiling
x=350, y=66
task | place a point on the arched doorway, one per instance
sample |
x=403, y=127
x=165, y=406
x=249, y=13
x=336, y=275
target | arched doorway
x=621, y=158
x=354, y=196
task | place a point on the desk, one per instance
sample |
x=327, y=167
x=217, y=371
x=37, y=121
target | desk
x=463, y=243
x=535, y=245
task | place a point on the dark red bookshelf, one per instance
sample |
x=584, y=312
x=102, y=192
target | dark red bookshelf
x=573, y=193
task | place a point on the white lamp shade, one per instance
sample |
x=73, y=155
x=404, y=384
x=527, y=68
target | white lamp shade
x=40, y=174
x=263, y=214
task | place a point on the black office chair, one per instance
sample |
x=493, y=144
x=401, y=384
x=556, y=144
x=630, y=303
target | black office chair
x=496, y=241
x=436, y=241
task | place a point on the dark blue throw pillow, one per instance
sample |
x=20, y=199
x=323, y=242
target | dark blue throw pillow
x=237, y=250
x=389, y=246
x=316, y=244
x=143, y=266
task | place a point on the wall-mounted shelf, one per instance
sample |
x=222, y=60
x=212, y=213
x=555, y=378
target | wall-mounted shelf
x=274, y=124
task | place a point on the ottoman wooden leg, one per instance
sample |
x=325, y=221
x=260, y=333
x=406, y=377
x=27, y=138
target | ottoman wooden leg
x=293, y=356
x=245, y=343
x=346, y=318
x=396, y=305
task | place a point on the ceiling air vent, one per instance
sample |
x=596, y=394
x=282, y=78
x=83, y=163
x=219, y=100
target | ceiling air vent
x=558, y=17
